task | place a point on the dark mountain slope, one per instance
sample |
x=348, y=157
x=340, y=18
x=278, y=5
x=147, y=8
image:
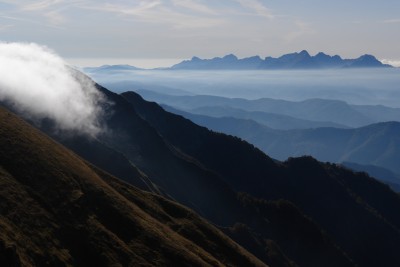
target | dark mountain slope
x=109, y=159
x=57, y=210
x=88, y=225
x=184, y=179
x=385, y=175
x=214, y=150
x=365, y=225
x=167, y=167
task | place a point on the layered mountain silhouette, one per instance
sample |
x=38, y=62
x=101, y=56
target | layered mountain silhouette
x=296, y=60
x=311, y=112
x=300, y=60
x=375, y=144
x=110, y=68
x=299, y=212
x=271, y=120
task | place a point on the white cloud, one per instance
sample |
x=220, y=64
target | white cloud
x=395, y=63
x=40, y=84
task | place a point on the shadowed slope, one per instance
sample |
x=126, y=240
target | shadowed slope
x=358, y=212
x=184, y=179
x=56, y=210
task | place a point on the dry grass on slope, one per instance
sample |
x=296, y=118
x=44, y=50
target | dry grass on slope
x=56, y=209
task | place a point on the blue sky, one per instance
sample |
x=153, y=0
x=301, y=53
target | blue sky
x=95, y=30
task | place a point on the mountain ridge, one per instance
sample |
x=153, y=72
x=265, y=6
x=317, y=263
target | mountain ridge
x=317, y=110
x=368, y=145
x=297, y=60
x=58, y=210
x=318, y=189
x=318, y=243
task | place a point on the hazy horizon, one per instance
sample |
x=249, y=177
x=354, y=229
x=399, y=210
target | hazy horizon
x=153, y=63
x=145, y=63
x=355, y=86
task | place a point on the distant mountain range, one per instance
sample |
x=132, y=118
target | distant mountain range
x=375, y=144
x=110, y=68
x=282, y=136
x=301, y=60
x=279, y=114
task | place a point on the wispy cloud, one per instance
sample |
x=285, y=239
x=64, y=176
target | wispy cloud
x=55, y=17
x=395, y=63
x=26, y=20
x=51, y=10
x=257, y=7
x=180, y=14
x=41, y=5
x=158, y=12
x=195, y=6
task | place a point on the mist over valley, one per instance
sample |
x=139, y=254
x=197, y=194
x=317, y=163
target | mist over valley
x=369, y=86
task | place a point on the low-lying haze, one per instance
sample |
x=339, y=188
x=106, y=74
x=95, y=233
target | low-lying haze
x=355, y=86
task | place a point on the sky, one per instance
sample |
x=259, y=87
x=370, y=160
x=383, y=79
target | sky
x=157, y=33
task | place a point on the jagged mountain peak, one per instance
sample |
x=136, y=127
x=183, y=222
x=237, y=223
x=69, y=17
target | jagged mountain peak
x=296, y=60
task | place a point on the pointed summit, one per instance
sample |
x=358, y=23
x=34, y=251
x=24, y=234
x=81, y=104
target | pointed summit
x=304, y=53
x=230, y=57
x=366, y=61
x=195, y=59
x=321, y=55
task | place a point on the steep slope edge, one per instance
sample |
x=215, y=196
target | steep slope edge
x=57, y=209
x=358, y=212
